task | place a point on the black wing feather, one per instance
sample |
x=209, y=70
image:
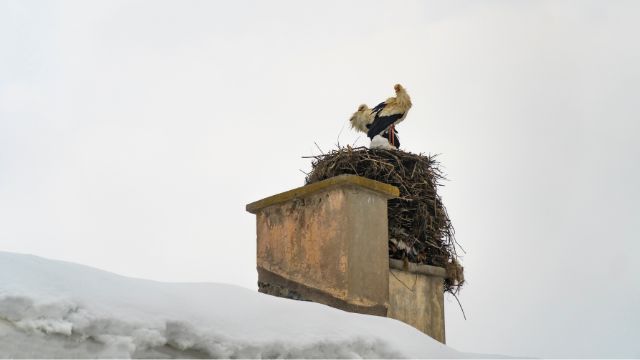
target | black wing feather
x=381, y=123
x=379, y=107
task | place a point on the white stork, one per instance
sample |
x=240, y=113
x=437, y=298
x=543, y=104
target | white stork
x=385, y=117
x=379, y=123
x=361, y=119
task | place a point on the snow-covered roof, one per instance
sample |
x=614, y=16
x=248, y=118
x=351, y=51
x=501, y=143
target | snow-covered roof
x=58, y=309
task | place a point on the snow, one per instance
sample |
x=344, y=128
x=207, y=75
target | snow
x=53, y=309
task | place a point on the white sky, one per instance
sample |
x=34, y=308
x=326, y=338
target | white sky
x=132, y=134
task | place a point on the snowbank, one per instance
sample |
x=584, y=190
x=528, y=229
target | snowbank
x=59, y=309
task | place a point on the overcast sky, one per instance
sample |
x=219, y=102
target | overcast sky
x=132, y=134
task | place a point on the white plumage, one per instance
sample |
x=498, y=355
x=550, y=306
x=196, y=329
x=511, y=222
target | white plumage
x=381, y=120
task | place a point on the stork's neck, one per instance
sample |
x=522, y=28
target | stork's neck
x=403, y=99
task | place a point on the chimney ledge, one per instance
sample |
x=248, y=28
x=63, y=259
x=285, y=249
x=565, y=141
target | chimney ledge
x=418, y=268
x=388, y=191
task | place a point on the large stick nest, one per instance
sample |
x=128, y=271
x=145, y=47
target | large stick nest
x=420, y=230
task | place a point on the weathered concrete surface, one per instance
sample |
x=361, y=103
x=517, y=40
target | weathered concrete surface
x=327, y=242
x=416, y=297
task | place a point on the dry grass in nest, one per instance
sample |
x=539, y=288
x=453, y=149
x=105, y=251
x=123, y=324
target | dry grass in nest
x=419, y=227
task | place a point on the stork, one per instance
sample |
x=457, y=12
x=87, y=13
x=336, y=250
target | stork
x=386, y=115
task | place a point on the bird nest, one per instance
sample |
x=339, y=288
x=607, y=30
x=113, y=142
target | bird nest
x=420, y=230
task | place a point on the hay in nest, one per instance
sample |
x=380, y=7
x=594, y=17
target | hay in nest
x=419, y=227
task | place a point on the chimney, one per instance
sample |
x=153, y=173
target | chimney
x=327, y=242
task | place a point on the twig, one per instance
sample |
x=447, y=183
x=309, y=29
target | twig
x=459, y=304
x=340, y=133
x=321, y=152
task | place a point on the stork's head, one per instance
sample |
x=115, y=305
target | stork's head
x=360, y=118
x=402, y=98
